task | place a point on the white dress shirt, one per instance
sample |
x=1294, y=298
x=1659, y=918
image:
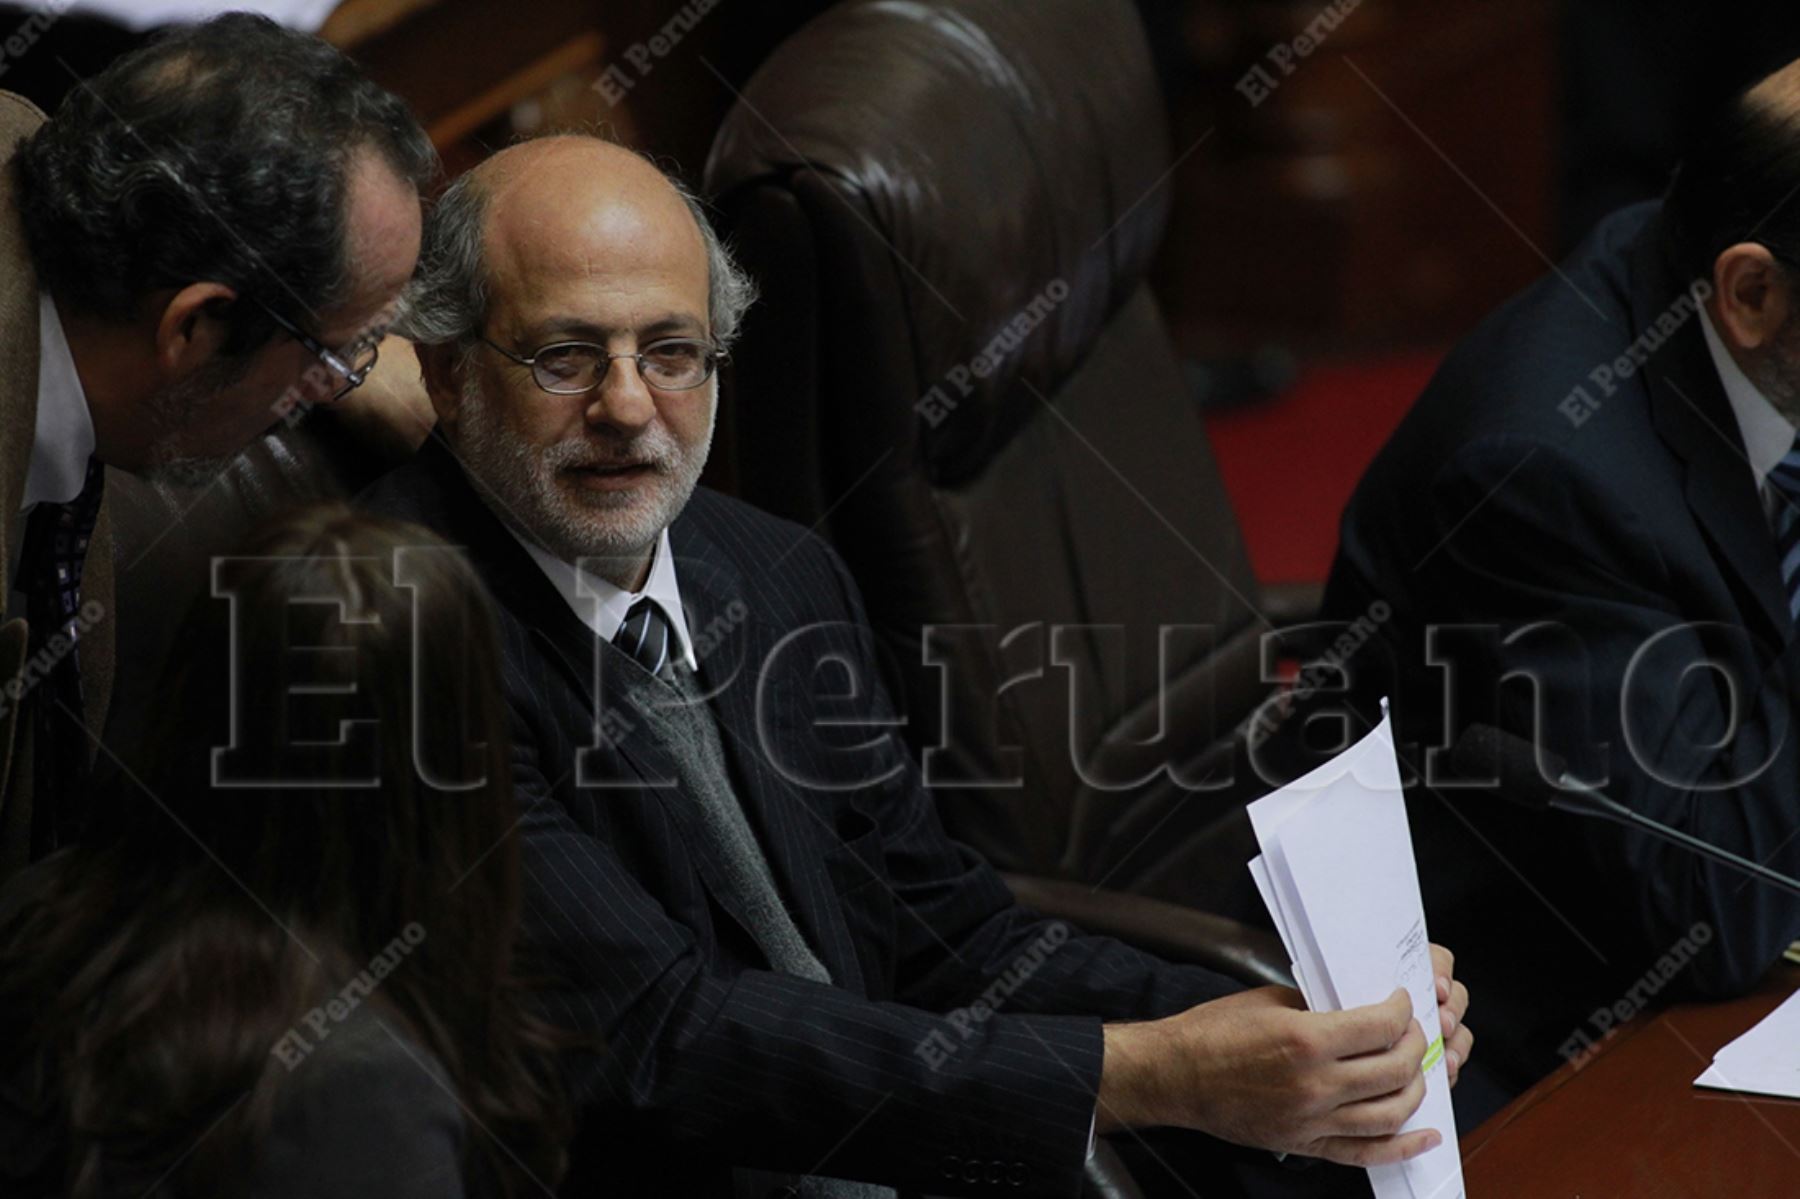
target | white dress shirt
x=1768, y=435
x=602, y=606
x=63, y=438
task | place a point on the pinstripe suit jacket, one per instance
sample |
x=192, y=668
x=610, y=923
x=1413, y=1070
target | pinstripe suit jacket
x=900, y=1073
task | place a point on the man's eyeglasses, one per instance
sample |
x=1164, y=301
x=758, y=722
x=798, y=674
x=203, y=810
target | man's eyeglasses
x=351, y=368
x=568, y=368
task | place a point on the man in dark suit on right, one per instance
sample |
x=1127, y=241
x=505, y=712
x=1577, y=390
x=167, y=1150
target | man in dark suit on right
x=1587, y=532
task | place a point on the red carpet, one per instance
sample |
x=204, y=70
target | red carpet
x=1291, y=464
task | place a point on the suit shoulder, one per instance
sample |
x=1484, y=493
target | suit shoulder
x=1528, y=371
x=716, y=510
x=748, y=534
x=19, y=117
x=403, y=492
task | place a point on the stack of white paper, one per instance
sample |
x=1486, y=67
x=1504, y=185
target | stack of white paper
x=1338, y=876
x=1765, y=1060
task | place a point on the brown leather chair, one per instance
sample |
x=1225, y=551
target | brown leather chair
x=958, y=375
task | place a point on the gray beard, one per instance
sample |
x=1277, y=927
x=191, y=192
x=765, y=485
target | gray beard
x=611, y=535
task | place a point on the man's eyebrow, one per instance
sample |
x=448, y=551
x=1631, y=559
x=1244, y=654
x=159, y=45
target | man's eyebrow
x=668, y=324
x=565, y=326
x=673, y=323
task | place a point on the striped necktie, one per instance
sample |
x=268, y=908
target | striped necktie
x=648, y=638
x=50, y=562
x=1785, y=479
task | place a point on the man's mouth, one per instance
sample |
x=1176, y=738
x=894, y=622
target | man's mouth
x=608, y=476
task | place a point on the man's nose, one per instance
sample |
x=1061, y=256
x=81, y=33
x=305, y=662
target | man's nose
x=622, y=400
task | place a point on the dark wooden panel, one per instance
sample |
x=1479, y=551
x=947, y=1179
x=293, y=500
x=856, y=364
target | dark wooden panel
x=1392, y=187
x=443, y=55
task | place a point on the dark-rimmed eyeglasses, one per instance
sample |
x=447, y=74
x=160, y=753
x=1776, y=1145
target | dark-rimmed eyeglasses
x=352, y=367
x=567, y=368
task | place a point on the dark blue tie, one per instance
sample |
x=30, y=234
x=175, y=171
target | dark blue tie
x=50, y=562
x=648, y=637
x=1785, y=479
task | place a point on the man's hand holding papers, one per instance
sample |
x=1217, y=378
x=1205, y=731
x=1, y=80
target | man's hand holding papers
x=1259, y=1069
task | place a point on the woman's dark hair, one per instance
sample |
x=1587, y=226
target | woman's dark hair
x=148, y=978
x=1739, y=182
x=219, y=153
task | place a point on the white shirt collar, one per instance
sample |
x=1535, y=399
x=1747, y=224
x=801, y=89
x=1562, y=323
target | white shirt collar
x=64, y=437
x=1768, y=435
x=602, y=606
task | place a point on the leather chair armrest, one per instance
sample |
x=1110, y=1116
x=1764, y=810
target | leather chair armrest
x=1180, y=934
x=1292, y=603
x=1106, y=1176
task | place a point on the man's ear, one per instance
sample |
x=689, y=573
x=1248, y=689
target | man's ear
x=441, y=366
x=1752, y=295
x=192, y=330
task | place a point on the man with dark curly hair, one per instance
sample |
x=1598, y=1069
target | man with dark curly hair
x=208, y=237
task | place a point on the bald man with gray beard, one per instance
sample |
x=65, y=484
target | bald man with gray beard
x=729, y=856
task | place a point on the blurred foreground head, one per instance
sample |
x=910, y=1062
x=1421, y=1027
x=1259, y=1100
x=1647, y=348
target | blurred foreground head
x=329, y=782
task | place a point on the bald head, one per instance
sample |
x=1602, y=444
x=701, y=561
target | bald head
x=571, y=303
x=551, y=204
x=550, y=176
x=1736, y=181
x=1731, y=216
x=577, y=204
x=586, y=239
x=1778, y=96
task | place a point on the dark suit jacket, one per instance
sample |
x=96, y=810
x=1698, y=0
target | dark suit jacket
x=1601, y=518
x=714, y=1061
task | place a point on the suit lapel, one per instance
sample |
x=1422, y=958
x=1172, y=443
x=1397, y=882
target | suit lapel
x=1695, y=420
x=1723, y=498
x=18, y=429
x=12, y=661
x=755, y=704
x=18, y=334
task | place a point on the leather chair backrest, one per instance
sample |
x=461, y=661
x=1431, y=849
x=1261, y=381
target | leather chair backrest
x=958, y=375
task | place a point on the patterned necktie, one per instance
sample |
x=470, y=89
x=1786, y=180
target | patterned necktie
x=648, y=637
x=50, y=562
